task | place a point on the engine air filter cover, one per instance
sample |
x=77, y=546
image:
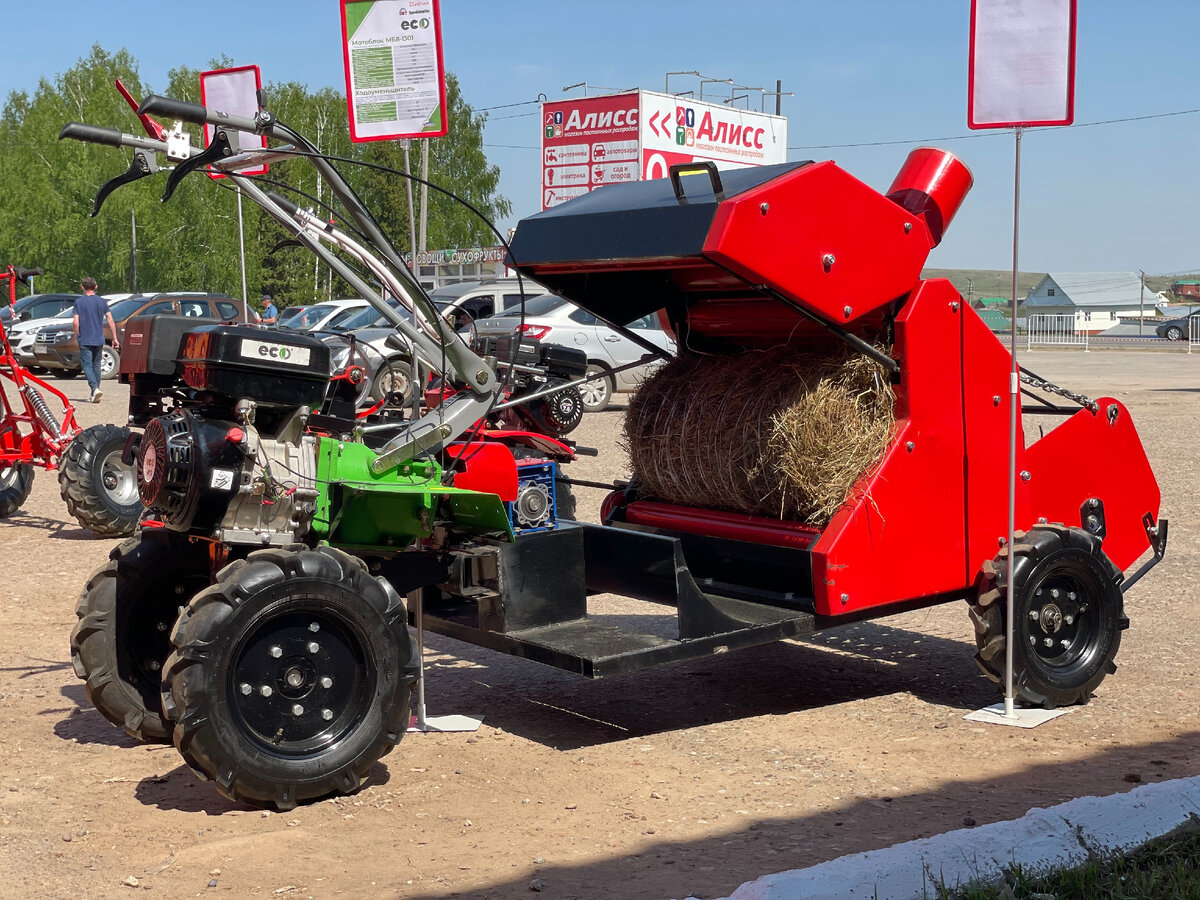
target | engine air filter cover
x=267, y=366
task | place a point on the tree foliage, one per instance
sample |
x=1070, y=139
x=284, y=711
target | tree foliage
x=191, y=242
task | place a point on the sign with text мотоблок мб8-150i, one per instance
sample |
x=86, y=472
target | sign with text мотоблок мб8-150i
x=395, y=74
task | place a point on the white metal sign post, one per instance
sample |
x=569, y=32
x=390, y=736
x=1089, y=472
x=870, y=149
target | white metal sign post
x=396, y=90
x=236, y=91
x=1022, y=73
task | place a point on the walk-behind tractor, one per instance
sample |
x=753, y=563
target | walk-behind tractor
x=97, y=486
x=283, y=542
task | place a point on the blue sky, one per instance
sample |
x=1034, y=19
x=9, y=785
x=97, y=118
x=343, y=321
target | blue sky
x=1121, y=196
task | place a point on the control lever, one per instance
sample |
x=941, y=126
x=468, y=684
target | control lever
x=143, y=164
x=218, y=149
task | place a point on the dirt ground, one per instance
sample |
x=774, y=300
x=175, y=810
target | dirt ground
x=685, y=780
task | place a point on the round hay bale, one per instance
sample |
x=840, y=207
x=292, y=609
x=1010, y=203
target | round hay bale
x=774, y=433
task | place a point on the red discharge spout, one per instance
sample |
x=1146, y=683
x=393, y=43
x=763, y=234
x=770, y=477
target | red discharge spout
x=932, y=183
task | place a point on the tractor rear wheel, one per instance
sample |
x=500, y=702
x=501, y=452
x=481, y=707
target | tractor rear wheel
x=291, y=676
x=122, y=638
x=16, y=481
x=99, y=489
x=1068, y=615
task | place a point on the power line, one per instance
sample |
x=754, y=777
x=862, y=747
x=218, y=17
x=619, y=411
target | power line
x=996, y=132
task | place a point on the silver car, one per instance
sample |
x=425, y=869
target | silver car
x=554, y=320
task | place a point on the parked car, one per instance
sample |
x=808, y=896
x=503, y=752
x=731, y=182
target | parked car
x=1179, y=329
x=551, y=319
x=318, y=316
x=288, y=315
x=22, y=337
x=36, y=306
x=55, y=346
x=481, y=299
x=388, y=366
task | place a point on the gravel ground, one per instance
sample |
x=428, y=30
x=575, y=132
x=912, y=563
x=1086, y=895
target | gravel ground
x=688, y=779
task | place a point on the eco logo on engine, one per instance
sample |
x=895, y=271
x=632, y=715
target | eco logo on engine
x=280, y=353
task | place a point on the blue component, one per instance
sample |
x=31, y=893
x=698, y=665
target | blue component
x=536, y=504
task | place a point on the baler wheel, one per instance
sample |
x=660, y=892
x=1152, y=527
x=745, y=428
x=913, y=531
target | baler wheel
x=291, y=676
x=16, y=481
x=122, y=637
x=1068, y=610
x=99, y=489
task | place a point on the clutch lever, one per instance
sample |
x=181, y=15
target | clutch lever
x=218, y=149
x=143, y=164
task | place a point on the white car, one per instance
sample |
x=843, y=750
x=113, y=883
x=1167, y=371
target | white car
x=553, y=320
x=327, y=316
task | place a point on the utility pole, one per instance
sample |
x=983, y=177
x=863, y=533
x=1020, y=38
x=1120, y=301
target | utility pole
x=1142, y=304
x=970, y=292
x=132, y=250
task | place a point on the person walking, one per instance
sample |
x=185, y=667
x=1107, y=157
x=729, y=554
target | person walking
x=270, y=315
x=88, y=325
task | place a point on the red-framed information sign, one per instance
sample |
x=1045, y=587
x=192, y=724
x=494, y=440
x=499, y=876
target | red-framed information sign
x=395, y=75
x=236, y=91
x=1022, y=69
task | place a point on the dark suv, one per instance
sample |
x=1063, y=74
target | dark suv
x=57, y=349
x=36, y=306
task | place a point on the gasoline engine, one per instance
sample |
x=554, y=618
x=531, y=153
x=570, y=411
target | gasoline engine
x=224, y=450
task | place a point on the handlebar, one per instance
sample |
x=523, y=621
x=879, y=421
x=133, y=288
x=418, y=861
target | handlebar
x=195, y=113
x=91, y=134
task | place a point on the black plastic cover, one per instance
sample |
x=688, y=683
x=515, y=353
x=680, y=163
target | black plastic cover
x=280, y=368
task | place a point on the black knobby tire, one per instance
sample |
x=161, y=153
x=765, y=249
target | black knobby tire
x=557, y=414
x=16, y=481
x=1068, y=615
x=291, y=676
x=99, y=489
x=123, y=633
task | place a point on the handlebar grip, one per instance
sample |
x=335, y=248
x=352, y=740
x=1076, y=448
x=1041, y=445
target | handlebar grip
x=288, y=206
x=155, y=105
x=91, y=134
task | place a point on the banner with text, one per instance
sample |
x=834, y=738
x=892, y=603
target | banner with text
x=395, y=74
x=591, y=142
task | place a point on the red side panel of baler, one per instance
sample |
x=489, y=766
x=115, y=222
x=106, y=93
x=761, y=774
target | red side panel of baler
x=903, y=535
x=1095, y=455
x=823, y=239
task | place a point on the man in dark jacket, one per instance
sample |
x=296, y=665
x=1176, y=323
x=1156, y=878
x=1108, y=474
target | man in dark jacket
x=88, y=325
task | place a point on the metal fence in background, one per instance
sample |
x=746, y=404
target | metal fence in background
x=1193, y=332
x=1055, y=331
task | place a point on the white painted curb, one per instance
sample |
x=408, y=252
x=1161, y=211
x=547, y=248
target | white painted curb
x=1063, y=836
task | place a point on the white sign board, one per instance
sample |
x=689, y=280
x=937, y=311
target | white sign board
x=1022, y=69
x=395, y=77
x=236, y=92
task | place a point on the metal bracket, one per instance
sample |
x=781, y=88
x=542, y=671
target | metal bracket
x=1091, y=517
x=1157, y=533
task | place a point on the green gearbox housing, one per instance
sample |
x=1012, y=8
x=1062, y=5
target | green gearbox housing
x=357, y=508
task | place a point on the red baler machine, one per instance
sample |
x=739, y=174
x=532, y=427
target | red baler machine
x=804, y=254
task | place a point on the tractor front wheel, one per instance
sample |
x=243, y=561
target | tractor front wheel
x=123, y=634
x=99, y=489
x=1068, y=614
x=291, y=676
x=16, y=481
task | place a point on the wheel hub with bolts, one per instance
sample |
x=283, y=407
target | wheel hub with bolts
x=299, y=680
x=1054, y=612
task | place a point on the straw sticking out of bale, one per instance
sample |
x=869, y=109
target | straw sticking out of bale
x=772, y=433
